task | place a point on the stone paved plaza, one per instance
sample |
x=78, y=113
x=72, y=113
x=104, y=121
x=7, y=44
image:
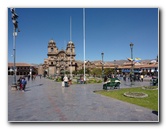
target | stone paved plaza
x=47, y=101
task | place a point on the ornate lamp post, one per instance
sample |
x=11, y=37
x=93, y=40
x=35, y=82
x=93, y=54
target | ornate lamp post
x=15, y=28
x=102, y=54
x=131, y=72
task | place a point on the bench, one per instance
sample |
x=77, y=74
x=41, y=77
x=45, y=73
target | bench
x=112, y=83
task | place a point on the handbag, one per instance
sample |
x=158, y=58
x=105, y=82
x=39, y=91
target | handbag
x=63, y=83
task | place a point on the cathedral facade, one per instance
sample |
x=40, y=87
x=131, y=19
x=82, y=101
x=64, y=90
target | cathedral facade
x=59, y=61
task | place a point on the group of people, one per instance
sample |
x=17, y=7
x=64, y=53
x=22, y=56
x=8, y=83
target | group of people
x=127, y=77
x=134, y=77
x=22, y=83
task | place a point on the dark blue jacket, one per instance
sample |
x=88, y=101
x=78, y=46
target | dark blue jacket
x=24, y=82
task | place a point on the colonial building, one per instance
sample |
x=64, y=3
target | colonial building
x=148, y=67
x=59, y=61
x=22, y=69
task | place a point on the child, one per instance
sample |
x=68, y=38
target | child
x=20, y=84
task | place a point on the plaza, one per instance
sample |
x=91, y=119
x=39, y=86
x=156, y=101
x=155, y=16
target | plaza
x=45, y=100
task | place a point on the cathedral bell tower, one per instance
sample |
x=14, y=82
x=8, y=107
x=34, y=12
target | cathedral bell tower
x=52, y=49
x=70, y=51
x=52, y=52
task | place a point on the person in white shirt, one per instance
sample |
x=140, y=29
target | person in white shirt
x=66, y=81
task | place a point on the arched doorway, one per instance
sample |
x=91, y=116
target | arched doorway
x=62, y=71
x=45, y=73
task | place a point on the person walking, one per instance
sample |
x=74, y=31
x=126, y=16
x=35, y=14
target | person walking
x=32, y=77
x=142, y=77
x=24, y=82
x=20, y=83
x=28, y=77
x=66, y=81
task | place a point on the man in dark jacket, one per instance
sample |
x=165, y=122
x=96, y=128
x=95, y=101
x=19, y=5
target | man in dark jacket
x=24, y=82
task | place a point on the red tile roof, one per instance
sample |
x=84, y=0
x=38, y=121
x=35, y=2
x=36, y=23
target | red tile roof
x=19, y=64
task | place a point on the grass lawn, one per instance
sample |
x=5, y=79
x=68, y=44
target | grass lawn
x=150, y=102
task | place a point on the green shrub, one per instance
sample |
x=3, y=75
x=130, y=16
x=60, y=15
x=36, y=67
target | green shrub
x=58, y=79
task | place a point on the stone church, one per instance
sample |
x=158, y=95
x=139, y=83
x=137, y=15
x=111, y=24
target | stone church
x=59, y=61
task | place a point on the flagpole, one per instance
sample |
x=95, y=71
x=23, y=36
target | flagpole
x=84, y=37
x=71, y=76
x=70, y=28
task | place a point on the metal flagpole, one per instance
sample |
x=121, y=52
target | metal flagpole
x=70, y=47
x=70, y=28
x=64, y=60
x=84, y=37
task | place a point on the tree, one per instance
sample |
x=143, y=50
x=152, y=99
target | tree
x=96, y=72
x=87, y=71
x=108, y=71
x=81, y=71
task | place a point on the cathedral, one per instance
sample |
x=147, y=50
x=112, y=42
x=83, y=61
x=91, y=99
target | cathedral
x=59, y=61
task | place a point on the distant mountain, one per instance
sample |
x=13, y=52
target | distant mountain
x=120, y=62
x=35, y=64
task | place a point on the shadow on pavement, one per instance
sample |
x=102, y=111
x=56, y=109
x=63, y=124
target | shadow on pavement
x=26, y=90
x=155, y=112
x=36, y=85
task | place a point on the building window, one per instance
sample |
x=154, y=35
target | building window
x=51, y=63
x=52, y=49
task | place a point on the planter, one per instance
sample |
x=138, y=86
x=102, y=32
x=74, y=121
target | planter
x=149, y=88
x=135, y=94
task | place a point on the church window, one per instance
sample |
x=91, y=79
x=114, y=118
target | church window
x=52, y=49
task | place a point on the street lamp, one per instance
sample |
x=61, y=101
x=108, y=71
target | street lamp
x=15, y=27
x=115, y=67
x=102, y=54
x=131, y=72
